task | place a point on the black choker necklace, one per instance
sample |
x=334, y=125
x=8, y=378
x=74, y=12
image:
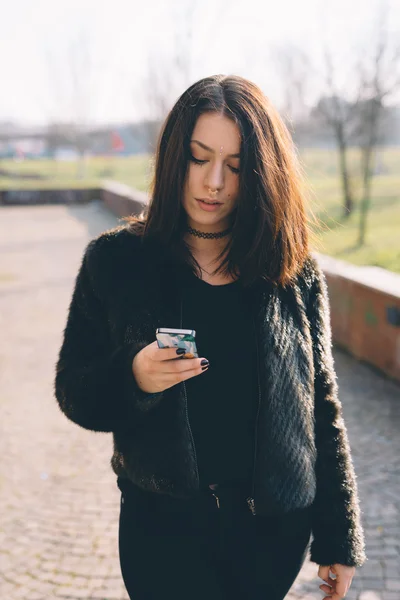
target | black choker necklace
x=209, y=235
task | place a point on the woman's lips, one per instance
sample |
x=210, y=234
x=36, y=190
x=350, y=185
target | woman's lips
x=208, y=207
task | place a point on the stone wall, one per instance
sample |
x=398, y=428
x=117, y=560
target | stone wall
x=32, y=197
x=122, y=200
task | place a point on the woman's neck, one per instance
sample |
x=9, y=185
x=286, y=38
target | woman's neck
x=205, y=252
x=208, y=249
x=207, y=246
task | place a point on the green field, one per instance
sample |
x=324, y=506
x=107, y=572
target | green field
x=336, y=237
x=133, y=170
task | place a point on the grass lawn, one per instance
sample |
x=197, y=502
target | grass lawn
x=337, y=236
x=133, y=170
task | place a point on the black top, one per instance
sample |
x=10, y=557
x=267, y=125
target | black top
x=223, y=400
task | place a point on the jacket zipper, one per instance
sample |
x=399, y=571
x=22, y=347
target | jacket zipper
x=250, y=499
x=187, y=414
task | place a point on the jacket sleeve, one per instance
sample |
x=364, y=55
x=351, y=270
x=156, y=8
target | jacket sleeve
x=338, y=535
x=94, y=383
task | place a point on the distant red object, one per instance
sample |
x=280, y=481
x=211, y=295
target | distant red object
x=117, y=143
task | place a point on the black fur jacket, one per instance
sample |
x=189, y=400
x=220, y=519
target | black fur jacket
x=125, y=290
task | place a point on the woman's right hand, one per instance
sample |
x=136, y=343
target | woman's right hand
x=157, y=369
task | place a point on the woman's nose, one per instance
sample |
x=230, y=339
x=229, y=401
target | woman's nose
x=215, y=178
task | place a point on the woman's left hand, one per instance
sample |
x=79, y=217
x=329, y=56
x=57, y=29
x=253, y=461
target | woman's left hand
x=336, y=588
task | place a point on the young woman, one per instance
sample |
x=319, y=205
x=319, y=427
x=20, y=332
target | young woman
x=229, y=462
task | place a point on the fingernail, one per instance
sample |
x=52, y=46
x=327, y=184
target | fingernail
x=181, y=351
x=204, y=362
x=204, y=368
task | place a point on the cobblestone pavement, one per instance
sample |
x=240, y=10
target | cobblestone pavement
x=59, y=502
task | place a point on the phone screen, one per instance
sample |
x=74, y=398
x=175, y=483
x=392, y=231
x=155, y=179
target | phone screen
x=178, y=340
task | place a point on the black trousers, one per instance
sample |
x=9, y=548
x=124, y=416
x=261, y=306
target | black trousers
x=193, y=550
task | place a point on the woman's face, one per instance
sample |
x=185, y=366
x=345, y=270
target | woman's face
x=215, y=142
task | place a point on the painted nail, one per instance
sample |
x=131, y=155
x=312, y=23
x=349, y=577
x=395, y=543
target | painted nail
x=204, y=362
x=205, y=368
x=181, y=351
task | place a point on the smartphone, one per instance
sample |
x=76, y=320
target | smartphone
x=168, y=337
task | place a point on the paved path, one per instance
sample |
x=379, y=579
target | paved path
x=59, y=504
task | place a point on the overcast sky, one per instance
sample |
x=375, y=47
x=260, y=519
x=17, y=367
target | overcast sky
x=36, y=37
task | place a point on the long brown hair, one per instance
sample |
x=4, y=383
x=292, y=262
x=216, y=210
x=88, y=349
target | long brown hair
x=270, y=232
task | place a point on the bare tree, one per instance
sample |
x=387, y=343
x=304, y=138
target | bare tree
x=295, y=69
x=169, y=74
x=340, y=114
x=374, y=75
x=380, y=78
x=71, y=79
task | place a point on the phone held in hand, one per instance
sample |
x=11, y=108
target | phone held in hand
x=168, y=337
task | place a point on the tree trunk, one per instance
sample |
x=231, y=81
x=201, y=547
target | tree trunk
x=346, y=186
x=366, y=196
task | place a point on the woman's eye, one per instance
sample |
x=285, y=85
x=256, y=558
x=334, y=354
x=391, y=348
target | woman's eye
x=197, y=161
